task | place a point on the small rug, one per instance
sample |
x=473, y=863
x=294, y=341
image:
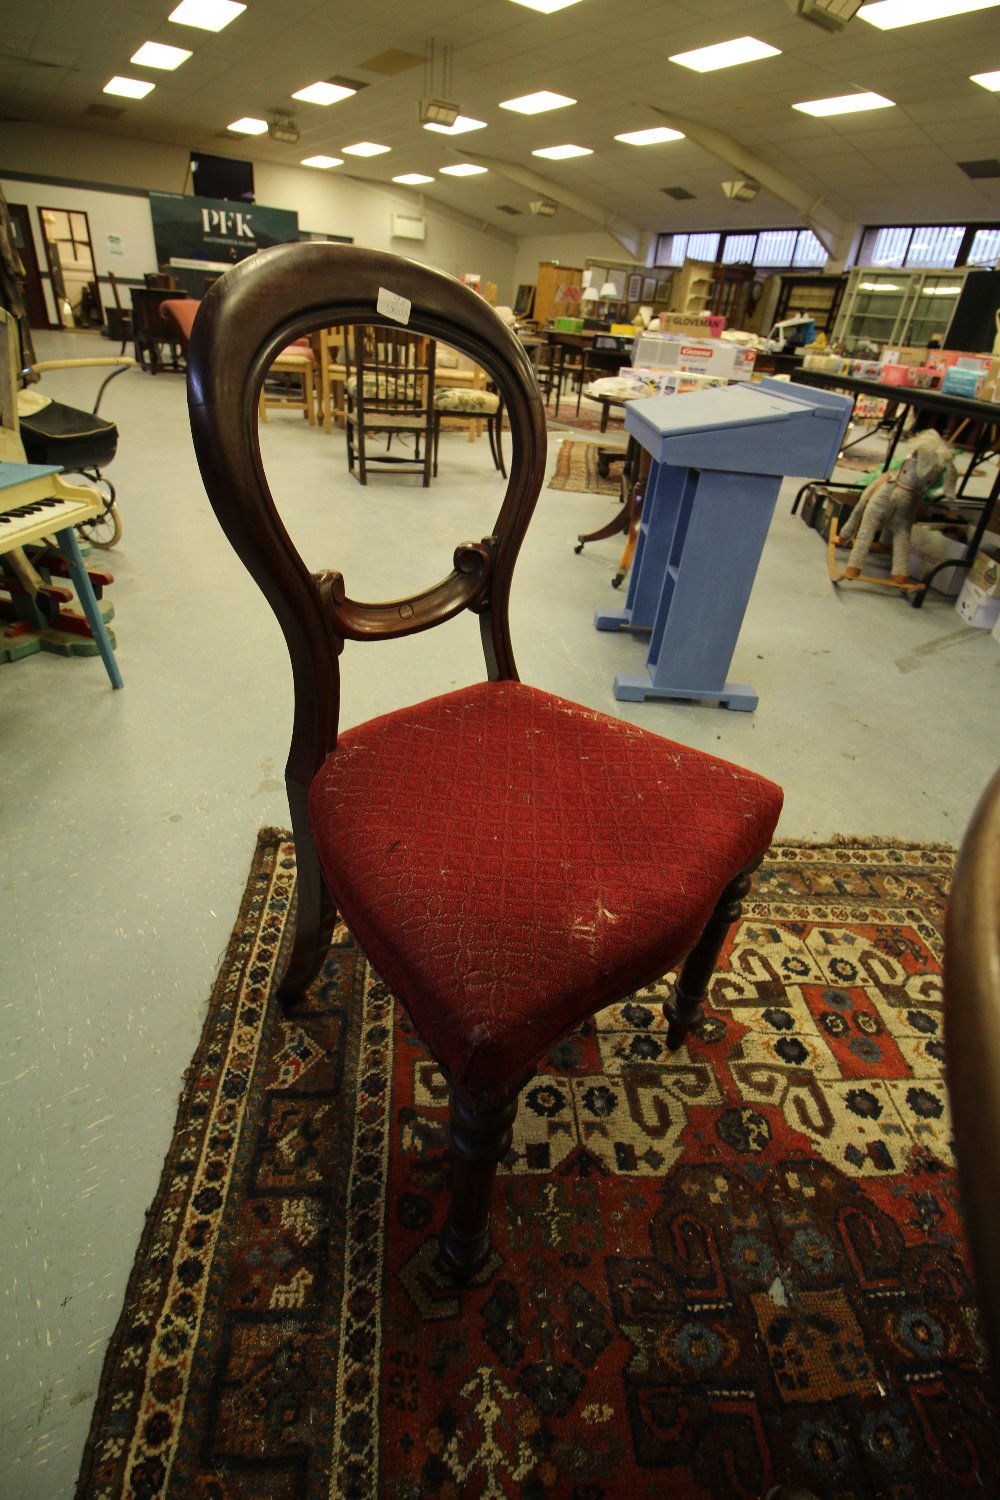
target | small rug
x=713, y=1270
x=576, y=469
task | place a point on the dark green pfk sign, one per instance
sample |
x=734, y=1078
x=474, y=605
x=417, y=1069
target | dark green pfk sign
x=216, y=228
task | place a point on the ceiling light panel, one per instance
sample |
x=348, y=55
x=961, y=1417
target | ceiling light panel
x=412, y=179
x=888, y=15
x=323, y=163
x=156, y=55
x=989, y=81
x=538, y=103
x=463, y=124
x=547, y=7
x=129, y=88
x=463, y=169
x=844, y=104
x=365, y=148
x=206, y=15
x=652, y=137
x=323, y=93
x=248, y=125
x=562, y=153
x=742, y=49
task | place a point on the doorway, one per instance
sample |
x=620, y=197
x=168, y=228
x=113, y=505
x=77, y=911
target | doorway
x=72, y=271
x=24, y=244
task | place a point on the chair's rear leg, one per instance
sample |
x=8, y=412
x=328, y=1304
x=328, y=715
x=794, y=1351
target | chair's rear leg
x=315, y=912
x=684, y=1010
x=480, y=1136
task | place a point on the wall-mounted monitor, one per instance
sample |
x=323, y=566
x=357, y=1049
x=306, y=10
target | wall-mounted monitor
x=221, y=177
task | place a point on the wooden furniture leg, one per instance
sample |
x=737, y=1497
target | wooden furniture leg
x=684, y=1011
x=480, y=1135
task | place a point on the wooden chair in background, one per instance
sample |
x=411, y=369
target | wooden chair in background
x=510, y=862
x=473, y=407
x=390, y=393
x=291, y=382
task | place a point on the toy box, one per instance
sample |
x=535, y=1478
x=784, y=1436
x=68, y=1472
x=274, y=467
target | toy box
x=963, y=382
x=894, y=374
x=569, y=325
x=985, y=572
x=665, y=351
x=976, y=607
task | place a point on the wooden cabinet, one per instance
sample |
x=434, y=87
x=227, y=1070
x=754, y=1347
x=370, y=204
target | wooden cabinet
x=819, y=296
x=557, y=292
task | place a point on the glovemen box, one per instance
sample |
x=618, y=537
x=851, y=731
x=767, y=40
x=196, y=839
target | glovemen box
x=976, y=607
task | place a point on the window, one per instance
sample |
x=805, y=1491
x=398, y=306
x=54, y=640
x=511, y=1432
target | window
x=809, y=251
x=985, y=247
x=738, y=249
x=703, y=246
x=935, y=245
x=775, y=247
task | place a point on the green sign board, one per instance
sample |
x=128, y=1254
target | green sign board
x=216, y=229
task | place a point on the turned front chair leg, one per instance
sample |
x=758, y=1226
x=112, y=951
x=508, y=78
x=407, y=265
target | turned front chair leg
x=480, y=1136
x=684, y=1010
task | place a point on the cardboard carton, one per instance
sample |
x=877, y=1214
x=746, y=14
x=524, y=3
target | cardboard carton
x=985, y=572
x=977, y=608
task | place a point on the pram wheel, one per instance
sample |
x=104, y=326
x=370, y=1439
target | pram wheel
x=104, y=529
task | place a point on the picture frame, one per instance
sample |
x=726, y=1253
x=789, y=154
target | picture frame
x=663, y=289
x=634, y=287
x=650, y=288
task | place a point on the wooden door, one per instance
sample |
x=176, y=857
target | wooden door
x=24, y=243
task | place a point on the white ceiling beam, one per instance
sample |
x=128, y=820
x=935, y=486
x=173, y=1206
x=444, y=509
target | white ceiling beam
x=834, y=234
x=634, y=239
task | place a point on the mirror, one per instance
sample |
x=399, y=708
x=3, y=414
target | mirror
x=73, y=275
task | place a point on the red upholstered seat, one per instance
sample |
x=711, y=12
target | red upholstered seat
x=511, y=862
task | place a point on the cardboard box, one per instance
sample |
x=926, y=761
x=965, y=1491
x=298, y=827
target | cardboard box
x=665, y=351
x=995, y=632
x=895, y=374
x=906, y=354
x=931, y=545
x=985, y=572
x=569, y=325
x=709, y=326
x=977, y=608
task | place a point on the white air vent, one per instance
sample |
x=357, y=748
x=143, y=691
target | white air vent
x=408, y=227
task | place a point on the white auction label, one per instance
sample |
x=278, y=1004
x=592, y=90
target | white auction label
x=390, y=305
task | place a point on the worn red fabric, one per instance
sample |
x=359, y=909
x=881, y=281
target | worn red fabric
x=511, y=862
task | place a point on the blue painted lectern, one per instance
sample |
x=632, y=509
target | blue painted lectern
x=718, y=459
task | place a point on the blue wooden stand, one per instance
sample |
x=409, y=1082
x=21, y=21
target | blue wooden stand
x=718, y=459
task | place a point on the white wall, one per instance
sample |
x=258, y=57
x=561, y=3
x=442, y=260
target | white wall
x=324, y=202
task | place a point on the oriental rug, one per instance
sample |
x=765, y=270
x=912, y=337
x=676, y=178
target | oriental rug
x=713, y=1270
x=576, y=469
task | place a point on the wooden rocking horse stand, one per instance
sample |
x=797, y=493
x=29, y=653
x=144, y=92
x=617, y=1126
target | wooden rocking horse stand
x=510, y=862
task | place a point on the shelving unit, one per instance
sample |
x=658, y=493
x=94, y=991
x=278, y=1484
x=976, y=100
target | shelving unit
x=819, y=296
x=896, y=307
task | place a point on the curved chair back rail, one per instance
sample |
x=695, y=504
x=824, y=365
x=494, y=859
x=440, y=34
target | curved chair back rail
x=252, y=313
x=972, y=1038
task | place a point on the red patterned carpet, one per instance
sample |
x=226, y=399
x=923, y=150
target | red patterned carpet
x=715, y=1270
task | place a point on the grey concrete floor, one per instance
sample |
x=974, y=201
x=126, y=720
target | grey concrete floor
x=129, y=818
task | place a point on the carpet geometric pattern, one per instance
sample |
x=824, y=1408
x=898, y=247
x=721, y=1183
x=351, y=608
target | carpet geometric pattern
x=713, y=1270
x=576, y=469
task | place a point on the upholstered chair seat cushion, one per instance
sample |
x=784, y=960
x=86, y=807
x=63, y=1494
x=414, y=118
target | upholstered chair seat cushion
x=595, y=870
x=457, y=402
x=384, y=387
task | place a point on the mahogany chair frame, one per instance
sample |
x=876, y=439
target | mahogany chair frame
x=255, y=310
x=972, y=1039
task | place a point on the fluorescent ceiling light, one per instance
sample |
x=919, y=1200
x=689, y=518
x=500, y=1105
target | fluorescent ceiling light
x=365, y=148
x=247, y=125
x=207, y=15
x=562, y=153
x=130, y=88
x=987, y=80
x=156, y=55
x=464, y=169
x=461, y=125
x=322, y=161
x=536, y=104
x=879, y=286
x=324, y=93
x=888, y=14
x=547, y=7
x=412, y=179
x=651, y=137
x=844, y=104
x=741, y=49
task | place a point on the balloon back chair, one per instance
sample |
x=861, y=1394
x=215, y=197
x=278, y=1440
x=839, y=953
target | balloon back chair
x=510, y=861
x=972, y=1041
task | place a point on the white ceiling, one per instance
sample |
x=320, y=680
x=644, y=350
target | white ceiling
x=895, y=165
